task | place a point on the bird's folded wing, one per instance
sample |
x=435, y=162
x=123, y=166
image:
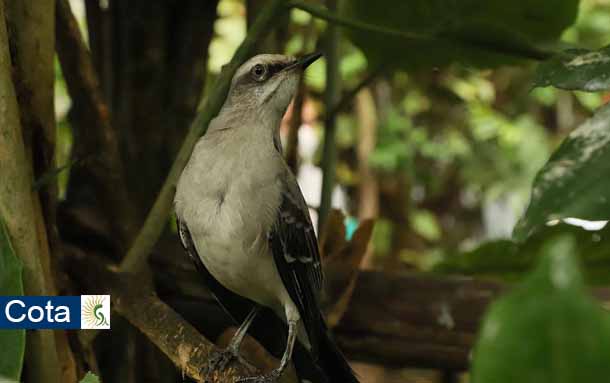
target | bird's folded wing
x=293, y=243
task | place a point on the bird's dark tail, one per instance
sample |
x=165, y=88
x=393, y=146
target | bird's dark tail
x=332, y=361
x=330, y=366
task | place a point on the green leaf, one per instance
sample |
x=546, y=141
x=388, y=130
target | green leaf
x=575, y=182
x=12, y=341
x=546, y=330
x=425, y=224
x=576, y=69
x=474, y=32
x=509, y=260
x=90, y=378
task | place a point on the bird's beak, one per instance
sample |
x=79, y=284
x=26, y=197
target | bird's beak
x=304, y=62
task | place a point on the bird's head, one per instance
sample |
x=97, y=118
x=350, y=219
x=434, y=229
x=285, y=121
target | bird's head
x=268, y=82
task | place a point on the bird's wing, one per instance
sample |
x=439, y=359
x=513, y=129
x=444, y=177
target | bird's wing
x=295, y=251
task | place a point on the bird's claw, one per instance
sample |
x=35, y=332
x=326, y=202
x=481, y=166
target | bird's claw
x=218, y=361
x=271, y=377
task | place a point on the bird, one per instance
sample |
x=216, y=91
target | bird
x=242, y=218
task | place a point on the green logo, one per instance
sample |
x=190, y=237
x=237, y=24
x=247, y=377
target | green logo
x=93, y=311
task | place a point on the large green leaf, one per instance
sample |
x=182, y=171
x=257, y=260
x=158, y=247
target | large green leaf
x=575, y=182
x=474, y=32
x=12, y=342
x=576, y=69
x=546, y=330
x=509, y=260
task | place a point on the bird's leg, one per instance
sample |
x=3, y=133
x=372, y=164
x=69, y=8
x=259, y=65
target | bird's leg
x=274, y=375
x=219, y=360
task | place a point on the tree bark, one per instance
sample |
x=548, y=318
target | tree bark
x=414, y=320
x=20, y=209
x=152, y=60
x=100, y=172
x=33, y=43
x=368, y=189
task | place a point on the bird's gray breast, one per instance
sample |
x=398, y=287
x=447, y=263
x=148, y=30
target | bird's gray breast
x=229, y=205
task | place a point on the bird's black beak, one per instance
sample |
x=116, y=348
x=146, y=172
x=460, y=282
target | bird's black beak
x=306, y=61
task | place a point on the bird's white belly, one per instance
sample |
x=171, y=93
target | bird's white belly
x=251, y=274
x=234, y=246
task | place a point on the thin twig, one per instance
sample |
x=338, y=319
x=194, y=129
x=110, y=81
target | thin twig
x=331, y=96
x=157, y=217
x=349, y=96
x=529, y=52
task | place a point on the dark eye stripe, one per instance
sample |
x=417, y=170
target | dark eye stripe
x=274, y=68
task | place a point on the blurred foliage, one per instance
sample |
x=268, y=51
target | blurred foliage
x=229, y=31
x=547, y=329
x=12, y=341
x=478, y=137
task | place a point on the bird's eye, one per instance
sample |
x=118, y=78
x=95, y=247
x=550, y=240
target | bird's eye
x=259, y=72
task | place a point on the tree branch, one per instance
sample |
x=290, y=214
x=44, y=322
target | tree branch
x=348, y=97
x=331, y=96
x=99, y=142
x=133, y=297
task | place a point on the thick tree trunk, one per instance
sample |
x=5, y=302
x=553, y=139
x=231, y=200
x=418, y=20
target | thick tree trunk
x=19, y=204
x=152, y=59
x=33, y=46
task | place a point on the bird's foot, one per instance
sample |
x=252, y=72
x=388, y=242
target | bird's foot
x=271, y=377
x=218, y=361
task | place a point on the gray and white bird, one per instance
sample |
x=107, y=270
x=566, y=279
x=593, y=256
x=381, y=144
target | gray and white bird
x=242, y=218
